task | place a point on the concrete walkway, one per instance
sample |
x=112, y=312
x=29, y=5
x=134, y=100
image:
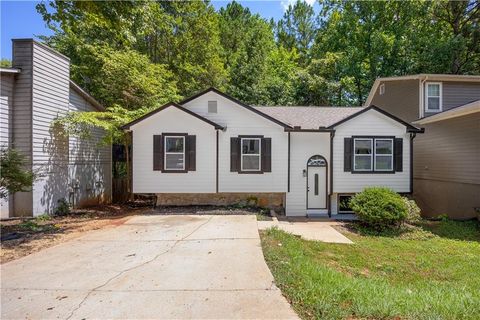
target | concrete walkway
x=150, y=267
x=308, y=229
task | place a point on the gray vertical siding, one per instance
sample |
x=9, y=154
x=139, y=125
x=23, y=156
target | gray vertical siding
x=22, y=116
x=400, y=99
x=89, y=161
x=41, y=93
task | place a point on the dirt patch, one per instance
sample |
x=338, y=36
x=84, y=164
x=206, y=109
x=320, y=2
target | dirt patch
x=25, y=236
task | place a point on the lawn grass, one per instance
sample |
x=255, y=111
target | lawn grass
x=380, y=277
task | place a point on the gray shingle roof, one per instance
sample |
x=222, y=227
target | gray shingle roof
x=309, y=117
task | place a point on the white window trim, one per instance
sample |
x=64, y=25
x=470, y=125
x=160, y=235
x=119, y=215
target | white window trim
x=251, y=154
x=355, y=154
x=440, y=103
x=382, y=155
x=165, y=153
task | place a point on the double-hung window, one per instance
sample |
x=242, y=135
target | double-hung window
x=383, y=154
x=373, y=154
x=250, y=154
x=363, y=154
x=433, y=97
x=174, y=153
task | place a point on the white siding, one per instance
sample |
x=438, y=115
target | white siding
x=173, y=120
x=370, y=123
x=303, y=145
x=240, y=121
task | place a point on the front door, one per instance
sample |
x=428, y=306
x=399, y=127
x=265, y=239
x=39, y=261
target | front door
x=317, y=183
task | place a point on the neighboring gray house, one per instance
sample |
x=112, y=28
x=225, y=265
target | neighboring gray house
x=447, y=157
x=34, y=92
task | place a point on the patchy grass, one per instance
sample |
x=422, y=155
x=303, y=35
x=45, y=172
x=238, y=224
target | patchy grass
x=381, y=277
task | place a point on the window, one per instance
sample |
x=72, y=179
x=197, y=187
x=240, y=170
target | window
x=373, y=154
x=212, y=106
x=433, y=97
x=382, y=89
x=363, y=155
x=250, y=154
x=344, y=203
x=174, y=153
x=383, y=154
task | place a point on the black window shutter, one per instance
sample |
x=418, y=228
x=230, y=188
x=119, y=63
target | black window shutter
x=190, y=154
x=347, y=154
x=266, y=155
x=234, y=154
x=157, y=153
x=398, y=149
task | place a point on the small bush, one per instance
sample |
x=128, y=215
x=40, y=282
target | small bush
x=413, y=211
x=62, y=208
x=379, y=208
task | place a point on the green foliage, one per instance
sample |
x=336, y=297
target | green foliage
x=379, y=208
x=162, y=50
x=63, y=208
x=5, y=63
x=13, y=175
x=376, y=277
x=413, y=211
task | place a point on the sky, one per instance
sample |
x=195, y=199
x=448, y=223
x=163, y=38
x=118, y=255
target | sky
x=19, y=19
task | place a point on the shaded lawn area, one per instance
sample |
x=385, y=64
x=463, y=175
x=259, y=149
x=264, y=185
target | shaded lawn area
x=437, y=277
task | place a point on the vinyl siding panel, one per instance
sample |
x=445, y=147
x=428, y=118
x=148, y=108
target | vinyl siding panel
x=371, y=123
x=6, y=109
x=401, y=98
x=459, y=93
x=303, y=145
x=240, y=121
x=173, y=120
x=449, y=150
x=21, y=128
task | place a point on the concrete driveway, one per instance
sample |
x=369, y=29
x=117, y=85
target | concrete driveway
x=150, y=267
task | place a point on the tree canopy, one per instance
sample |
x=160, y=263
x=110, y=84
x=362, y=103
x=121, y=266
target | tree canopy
x=139, y=54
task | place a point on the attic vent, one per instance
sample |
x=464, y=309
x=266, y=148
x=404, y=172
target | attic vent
x=382, y=88
x=212, y=106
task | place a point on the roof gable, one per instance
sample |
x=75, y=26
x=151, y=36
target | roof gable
x=238, y=102
x=168, y=105
x=409, y=127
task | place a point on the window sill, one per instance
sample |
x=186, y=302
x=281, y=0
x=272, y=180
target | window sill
x=250, y=172
x=174, y=171
x=374, y=172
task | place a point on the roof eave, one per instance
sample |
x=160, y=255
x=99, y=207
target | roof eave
x=86, y=96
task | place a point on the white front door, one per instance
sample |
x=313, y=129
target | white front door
x=317, y=188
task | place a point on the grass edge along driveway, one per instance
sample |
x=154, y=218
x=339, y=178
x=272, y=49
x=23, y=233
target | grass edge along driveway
x=377, y=277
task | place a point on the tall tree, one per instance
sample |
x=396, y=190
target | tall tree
x=296, y=30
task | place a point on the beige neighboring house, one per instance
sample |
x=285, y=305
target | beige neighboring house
x=446, y=161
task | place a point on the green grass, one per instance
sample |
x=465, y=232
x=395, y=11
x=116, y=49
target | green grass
x=381, y=277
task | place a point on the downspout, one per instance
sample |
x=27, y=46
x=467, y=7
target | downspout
x=412, y=136
x=421, y=103
x=330, y=192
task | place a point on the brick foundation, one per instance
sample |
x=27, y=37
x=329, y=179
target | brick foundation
x=270, y=200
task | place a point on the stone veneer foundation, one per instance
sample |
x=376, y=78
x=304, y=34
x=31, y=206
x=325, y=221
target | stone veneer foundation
x=270, y=200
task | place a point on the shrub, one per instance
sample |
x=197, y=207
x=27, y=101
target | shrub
x=413, y=211
x=379, y=208
x=62, y=208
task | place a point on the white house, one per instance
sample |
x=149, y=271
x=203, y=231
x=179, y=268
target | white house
x=214, y=149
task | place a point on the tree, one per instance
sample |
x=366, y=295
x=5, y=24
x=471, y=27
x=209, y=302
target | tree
x=13, y=175
x=5, y=63
x=297, y=28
